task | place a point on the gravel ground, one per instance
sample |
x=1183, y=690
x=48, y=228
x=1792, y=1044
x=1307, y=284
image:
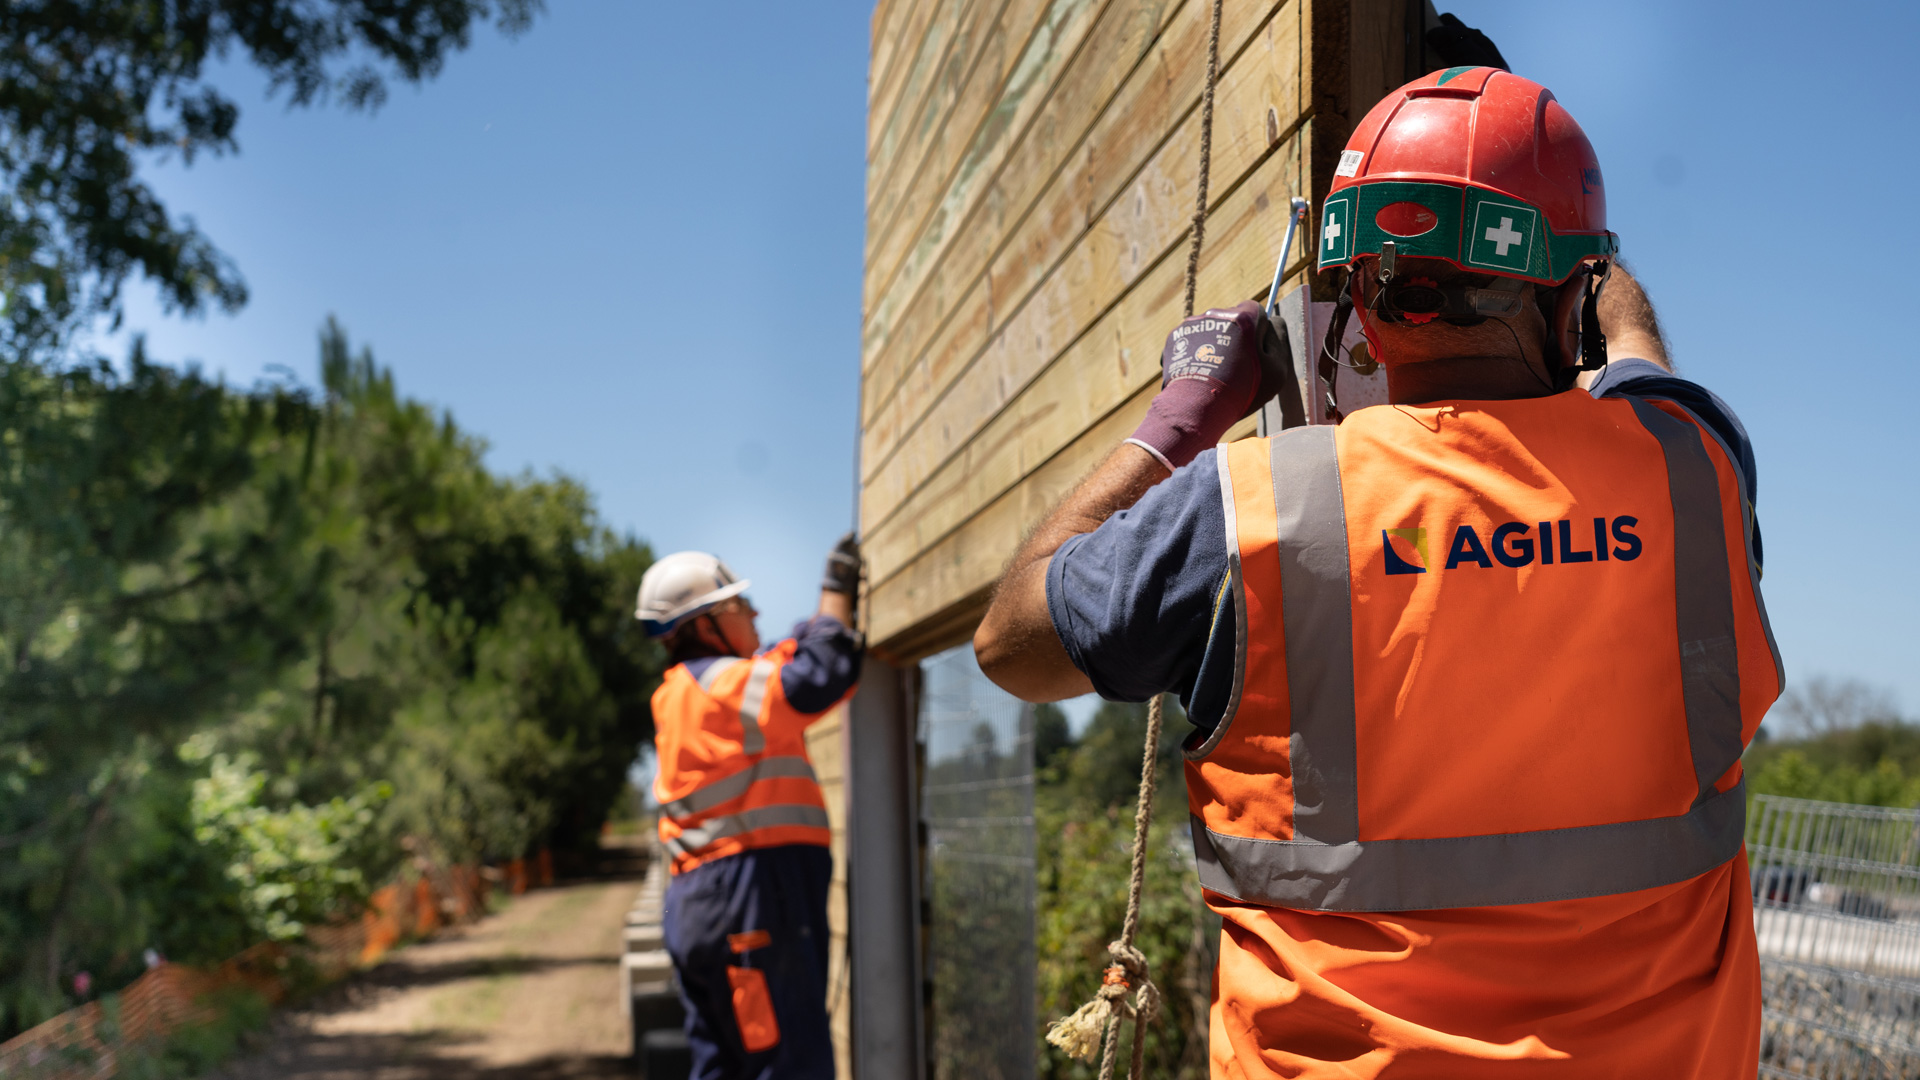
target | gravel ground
x=528, y=994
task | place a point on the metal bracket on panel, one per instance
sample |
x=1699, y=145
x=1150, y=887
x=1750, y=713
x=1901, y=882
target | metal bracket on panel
x=1359, y=381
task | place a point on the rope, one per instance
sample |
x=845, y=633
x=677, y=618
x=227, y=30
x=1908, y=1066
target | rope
x=1097, y=1023
x=1206, y=158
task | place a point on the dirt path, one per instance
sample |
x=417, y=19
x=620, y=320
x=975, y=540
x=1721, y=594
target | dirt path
x=532, y=992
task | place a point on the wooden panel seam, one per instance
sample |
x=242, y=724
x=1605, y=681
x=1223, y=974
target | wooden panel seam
x=886, y=106
x=876, y=321
x=974, y=38
x=1218, y=258
x=1015, y=130
x=1145, y=96
x=1156, y=275
x=871, y=462
x=920, y=82
x=883, y=44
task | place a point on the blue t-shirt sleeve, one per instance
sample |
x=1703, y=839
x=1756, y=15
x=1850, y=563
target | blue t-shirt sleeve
x=824, y=667
x=1136, y=601
x=1643, y=378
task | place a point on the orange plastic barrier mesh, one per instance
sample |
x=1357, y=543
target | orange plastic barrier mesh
x=82, y=1043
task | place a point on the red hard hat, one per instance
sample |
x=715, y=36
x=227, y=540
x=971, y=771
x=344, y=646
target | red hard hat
x=1476, y=166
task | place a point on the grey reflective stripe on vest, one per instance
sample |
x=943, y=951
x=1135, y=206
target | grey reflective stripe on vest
x=1474, y=871
x=761, y=817
x=1703, y=597
x=750, y=702
x=1327, y=868
x=1315, y=591
x=706, y=797
x=712, y=674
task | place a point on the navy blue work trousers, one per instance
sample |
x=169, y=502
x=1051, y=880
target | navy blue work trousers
x=783, y=892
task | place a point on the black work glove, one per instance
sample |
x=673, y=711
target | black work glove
x=1458, y=45
x=843, y=568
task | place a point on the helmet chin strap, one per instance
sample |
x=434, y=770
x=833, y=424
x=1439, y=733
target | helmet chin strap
x=726, y=640
x=1593, y=343
x=1330, y=349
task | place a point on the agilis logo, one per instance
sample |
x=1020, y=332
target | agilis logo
x=1516, y=544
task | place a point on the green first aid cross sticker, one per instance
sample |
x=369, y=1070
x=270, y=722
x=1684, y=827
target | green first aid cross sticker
x=1503, y=236
x=1336, y=229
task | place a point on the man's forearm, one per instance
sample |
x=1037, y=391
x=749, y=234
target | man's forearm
x=837, y=604
x=1628, y=319
x=1016, y=643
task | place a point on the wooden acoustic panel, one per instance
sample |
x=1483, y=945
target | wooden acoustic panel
x=1031, y=174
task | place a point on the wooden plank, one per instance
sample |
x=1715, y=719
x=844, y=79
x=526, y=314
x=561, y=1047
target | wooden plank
x=977, y=50
x=1377, y=58
x=1098, y=374
x=885, y=117
x=827, y=750
x=971, y=557
x=1110, y=364
x=1124, y=36
x=926, y=423
x=952, y=625
x=948, y=594
x=1329, y=88
x=1130, y=129
x=884, y=39
x=1061, y=219
x=967, y=154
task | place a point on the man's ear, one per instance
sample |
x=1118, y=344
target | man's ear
x=1563, y=323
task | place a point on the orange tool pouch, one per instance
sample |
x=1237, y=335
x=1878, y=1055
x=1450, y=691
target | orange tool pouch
x=753, y=1008
x=752, y=1005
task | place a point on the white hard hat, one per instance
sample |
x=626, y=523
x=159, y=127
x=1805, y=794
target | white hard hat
x=683, y=585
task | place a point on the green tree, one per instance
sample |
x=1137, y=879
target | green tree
x=324, y=597
x=1084, y=799
x=135, y=597
x=91, y=88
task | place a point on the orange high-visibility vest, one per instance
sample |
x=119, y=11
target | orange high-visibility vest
x=1492, y=654
x=733, y=767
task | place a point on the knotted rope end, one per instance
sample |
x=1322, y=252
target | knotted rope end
x=1079, y=1035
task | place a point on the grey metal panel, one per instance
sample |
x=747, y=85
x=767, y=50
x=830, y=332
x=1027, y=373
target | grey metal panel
x=882, y=877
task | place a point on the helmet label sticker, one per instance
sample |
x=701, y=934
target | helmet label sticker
x=1502, y=236
x=1350, y=162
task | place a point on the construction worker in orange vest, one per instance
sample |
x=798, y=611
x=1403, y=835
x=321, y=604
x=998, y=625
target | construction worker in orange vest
x=1471, y=672
x=742, y=815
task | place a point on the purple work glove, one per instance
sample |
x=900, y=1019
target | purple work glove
x=1209, y=379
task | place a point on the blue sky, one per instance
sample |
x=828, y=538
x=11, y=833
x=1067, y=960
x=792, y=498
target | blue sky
x=627, y=246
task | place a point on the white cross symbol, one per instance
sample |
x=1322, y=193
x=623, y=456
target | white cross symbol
x=1332, y=231
x=1504, y=237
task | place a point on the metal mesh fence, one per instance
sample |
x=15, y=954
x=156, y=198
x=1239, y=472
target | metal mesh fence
x=1836, y=910
x=977, y=805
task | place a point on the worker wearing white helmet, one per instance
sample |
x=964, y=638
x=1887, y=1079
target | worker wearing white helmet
x=742, y=814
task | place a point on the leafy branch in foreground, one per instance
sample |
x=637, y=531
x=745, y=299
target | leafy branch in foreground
x=88, y=88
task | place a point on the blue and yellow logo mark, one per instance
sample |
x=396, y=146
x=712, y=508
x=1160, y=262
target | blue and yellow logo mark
x=1413, y=542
